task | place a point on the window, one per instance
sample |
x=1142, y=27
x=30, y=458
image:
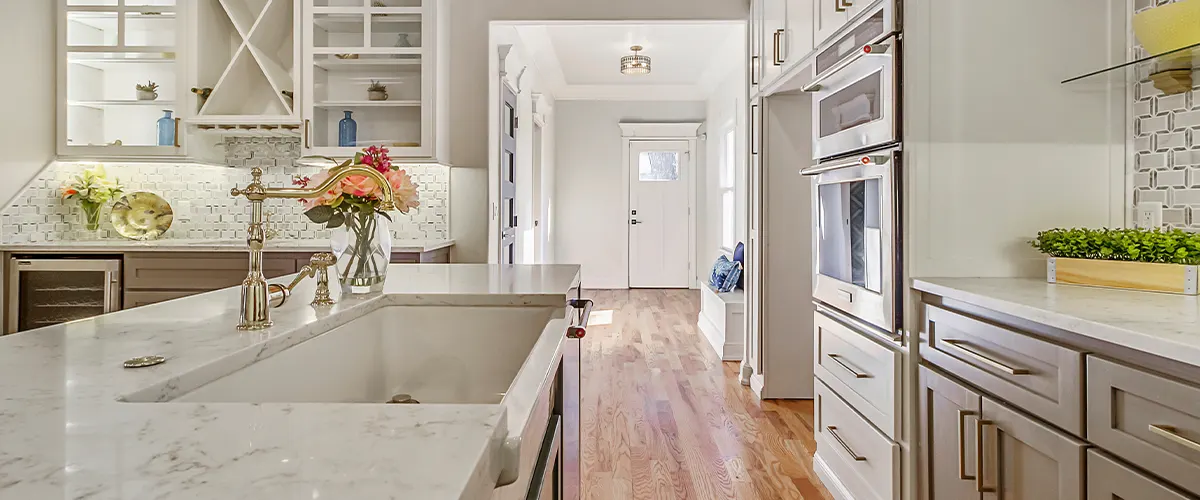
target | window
x=726, y=184
x=656, y=166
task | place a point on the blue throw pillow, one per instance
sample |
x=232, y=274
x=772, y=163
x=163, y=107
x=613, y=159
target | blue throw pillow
x=731, y=279
x=739, y=256
x=719, y=271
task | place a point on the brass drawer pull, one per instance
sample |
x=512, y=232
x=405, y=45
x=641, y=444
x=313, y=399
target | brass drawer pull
x=965, y=348
x=177, y=120
x=837, y=358
x=979, y=487
x=833, y=432
x=1169, y=432
x=962, y=445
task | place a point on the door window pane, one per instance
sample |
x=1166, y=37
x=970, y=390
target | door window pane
x=656, y=166
x=851, y=234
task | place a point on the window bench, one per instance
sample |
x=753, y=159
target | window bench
x=721, y=321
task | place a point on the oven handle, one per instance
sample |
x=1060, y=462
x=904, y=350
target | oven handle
x=869, y=49
x=862, y=161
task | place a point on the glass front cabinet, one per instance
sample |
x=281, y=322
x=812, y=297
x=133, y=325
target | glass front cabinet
x=120, y=81
x=370, y=73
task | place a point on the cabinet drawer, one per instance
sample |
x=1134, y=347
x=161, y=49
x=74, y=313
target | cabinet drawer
x=138, y=299
x=860, y=370
x=865, y=461
x=1145, y=419
x=1108, y=479
x=196, y=271
x=1041, y=377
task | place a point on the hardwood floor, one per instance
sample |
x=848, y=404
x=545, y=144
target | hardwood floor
x=663, y=417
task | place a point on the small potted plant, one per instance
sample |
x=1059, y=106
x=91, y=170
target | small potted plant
x=377, y=91
x=147, y=92
x=1158, y=260
x=93, y=189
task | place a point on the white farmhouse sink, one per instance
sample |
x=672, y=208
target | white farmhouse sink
x=456, y=355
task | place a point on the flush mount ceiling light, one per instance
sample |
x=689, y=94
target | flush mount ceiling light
x=635, y=64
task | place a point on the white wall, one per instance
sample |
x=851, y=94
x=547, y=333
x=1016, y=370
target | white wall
x=27, y=134
x=470, y=99
x=996, y=149
x=592, y=227
x=726, y=107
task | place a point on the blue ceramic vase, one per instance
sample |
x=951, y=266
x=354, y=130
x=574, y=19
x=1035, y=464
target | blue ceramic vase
x=347, y=131
x=166, y=129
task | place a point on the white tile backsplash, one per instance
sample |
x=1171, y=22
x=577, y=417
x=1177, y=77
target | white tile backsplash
x=199, y=195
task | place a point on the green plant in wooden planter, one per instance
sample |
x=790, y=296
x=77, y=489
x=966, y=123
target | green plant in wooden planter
x=1167, y=246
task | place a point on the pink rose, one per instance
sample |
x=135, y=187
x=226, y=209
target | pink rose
x=325, y=198
x=361, y=186
x=404, y=190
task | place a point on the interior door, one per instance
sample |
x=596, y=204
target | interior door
x=1026, y=460
x=508, y=186
x=948, y=414
x=659, y=219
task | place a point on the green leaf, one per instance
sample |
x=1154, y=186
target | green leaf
x=384, y=214
x=336, y=220
x=320, y=214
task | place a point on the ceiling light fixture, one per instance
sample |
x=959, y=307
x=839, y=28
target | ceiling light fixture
x=635, y=64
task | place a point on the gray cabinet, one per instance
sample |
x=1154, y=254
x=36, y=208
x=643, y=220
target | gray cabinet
x=1026, y=459
x=949, y=449
x=1108, y=479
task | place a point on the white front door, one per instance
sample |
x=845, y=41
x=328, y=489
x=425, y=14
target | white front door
x=659, y=227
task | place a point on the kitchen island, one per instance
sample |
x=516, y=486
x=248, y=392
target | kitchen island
x=69, y=427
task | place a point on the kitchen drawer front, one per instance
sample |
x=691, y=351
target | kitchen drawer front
x=863, y=372
x=138, y=299
x=196, y=271
x=1146, y=419
x=1108, y=479
x=1041, y=377
x=865, y=461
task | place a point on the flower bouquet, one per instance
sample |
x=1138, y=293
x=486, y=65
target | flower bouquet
x=361, y=238
x=93, y=189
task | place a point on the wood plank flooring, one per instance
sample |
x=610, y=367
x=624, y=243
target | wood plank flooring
x=663, y=417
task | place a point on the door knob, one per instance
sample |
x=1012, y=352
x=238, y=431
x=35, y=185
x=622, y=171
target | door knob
x=634, y=222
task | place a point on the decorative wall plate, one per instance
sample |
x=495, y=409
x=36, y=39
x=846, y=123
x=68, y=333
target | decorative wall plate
x=142, y=216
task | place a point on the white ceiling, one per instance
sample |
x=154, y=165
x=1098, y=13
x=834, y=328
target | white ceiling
x=584, y=59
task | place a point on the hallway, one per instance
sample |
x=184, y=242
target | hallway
x=663, y=418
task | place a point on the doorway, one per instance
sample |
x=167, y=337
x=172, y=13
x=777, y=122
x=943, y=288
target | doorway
x=660, y=231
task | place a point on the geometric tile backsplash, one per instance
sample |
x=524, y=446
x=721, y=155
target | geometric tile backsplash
x=199, y=196
x=1166, y=145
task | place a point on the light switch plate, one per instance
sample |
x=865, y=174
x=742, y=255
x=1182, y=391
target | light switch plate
x=1148, y=215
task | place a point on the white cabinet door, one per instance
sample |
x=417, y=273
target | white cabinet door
x=774, y=39
x=800, y=30
x=754, y=45
x=828, y=17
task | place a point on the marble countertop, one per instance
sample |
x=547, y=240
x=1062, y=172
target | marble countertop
x=64, y=434
x=210, y=245
x=1161, y=324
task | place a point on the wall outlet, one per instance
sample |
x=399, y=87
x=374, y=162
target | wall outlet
x=1148, y=215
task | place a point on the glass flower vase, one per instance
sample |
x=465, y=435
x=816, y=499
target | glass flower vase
x=363, y=247
x=90, y=214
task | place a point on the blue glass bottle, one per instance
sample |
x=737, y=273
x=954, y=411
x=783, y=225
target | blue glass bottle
x=166, y=129
x=347, y=131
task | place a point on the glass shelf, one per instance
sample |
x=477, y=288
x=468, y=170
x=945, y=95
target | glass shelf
x=1183, y=58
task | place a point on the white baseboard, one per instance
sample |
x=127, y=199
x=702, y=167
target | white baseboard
x=831, y=482
x=728, y=351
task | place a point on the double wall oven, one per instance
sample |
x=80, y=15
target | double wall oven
x=857, y=267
